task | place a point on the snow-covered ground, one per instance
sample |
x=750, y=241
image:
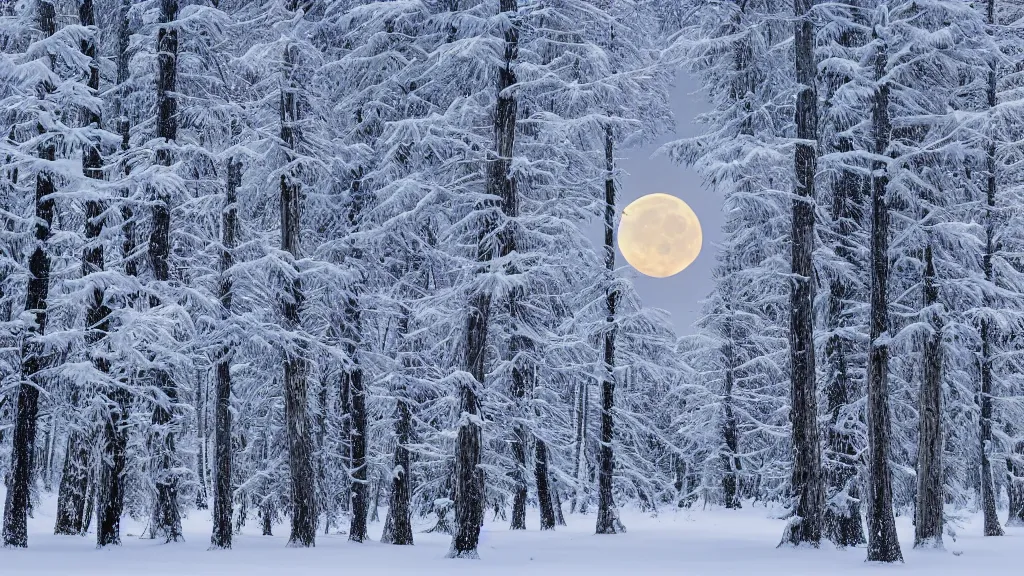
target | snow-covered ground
x=687, y=543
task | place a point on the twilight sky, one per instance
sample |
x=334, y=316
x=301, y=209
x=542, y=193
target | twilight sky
x=681, y=294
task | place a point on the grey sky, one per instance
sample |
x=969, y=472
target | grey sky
x=681, y=294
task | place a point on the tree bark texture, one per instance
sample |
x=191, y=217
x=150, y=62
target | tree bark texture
x=110, y=492
x=222, y=492
x=807, y=481
x=296, y=365
x=988, y=496
x=544, y=492
x=166, y=520
x=928, y=511
x=883, y=545
x=469, y=477
x=398, y=525
x=607, y=515
x=842, y=522
x=356, y=386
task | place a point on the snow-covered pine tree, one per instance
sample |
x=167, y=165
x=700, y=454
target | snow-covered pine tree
x=39, y=134
x=1000, y=309
x=741, y=354
x=1002, y=114
x=166, y=513
x=296, y=364
x=883, y=545
x=75, y=500
x=114, y=439
x=841, y=264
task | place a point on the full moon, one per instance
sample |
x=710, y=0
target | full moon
x=659, y=235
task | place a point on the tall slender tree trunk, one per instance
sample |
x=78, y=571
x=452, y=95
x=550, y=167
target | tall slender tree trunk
x=545, y=493
x=398, y=525
x=72, y=517
x=296, y=365
x=202, y=495
x=519, y=439
x=74, y=485
x=110, y=493
x=222, y=492
x=345, y=411
x=842, y=522
x=883, y=545
x=988, y=497
x=356, y=386
x=730, y=430
x=469, y=476
x=166, y=516
x=581, y=495
x=357, y=526
x=17, y=504
x=807, y=482
x=327, y=503
x=520, y=348
x=607, y=515
x=928, y=512
x=557, y=501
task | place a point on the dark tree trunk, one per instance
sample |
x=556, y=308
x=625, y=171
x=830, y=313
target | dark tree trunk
x=17, y=504
x=580, y=494
x=202, y=495
x=166, y=516
x=540, y=468
x=267, y=516
x=345, y=412
x=520, y=489
x=842, y=523
x=557, y=503
x=988, y=497
x=222, y=492
x=469, y=477
x=928, y=510
x=520, y=349
x=110, y=493
x=327, y=502
x=607, y=515
x=357, y=526
x=72, y=508
x=883, y=545
x=398, y=529
x=356, y=386
x=74, y=487
x=398, y=525
x=399, y=513
x=807, y=482
x=730, y=430
x=296, y=365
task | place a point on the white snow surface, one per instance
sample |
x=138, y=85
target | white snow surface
x=676, y=542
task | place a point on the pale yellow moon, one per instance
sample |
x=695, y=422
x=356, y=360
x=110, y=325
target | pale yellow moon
x=659, y=235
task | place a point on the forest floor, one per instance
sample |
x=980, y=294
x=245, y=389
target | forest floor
x=684, y=542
